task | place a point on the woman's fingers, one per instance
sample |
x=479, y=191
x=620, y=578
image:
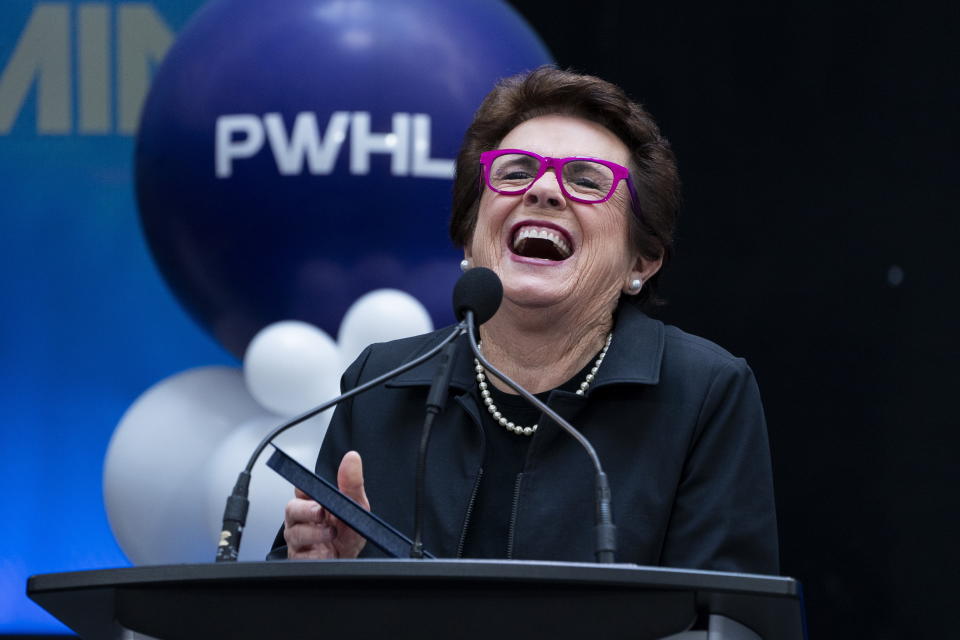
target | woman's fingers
x=307, y=531
x=350, y=478
x=302, y=510
x=308, y=536
x=313, y=532
x=348, y=542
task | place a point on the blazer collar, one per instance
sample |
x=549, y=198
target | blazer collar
x=636, y=350
x=634, y=356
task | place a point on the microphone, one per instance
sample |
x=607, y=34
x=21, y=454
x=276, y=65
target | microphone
x=479, y=291
x=606, y=532
x=235, y=512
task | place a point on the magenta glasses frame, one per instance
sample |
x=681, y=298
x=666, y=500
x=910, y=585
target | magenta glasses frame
x=619, y=173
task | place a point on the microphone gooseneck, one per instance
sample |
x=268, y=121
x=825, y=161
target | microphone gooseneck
x=606, y=532
x=436, y=401
x=477, y=291
x=235, y=512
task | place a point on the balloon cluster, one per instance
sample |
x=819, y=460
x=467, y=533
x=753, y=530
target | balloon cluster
x=178, y=448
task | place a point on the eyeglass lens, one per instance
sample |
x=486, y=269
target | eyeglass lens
x=583, y=179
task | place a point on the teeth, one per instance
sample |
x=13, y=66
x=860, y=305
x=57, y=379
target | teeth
x=546, y=234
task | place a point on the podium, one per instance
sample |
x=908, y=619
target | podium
x=402, y=598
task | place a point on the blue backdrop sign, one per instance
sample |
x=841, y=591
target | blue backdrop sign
x=296, y=156
x=293, y=156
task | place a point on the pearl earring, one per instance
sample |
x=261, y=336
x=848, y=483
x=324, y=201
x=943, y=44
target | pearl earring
x=634, y=287
x=464, y=265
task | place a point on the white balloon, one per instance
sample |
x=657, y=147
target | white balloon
x=156, y=461
x=291, y=366
x=269, y=492
x=379, y=316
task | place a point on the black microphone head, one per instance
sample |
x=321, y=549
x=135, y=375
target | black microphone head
x=478, y=290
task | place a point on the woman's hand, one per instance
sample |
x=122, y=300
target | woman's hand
x=313, y=532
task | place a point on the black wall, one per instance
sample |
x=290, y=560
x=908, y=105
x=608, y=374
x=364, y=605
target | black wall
x=818, y=146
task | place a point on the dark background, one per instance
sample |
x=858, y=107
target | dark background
x=817, y=145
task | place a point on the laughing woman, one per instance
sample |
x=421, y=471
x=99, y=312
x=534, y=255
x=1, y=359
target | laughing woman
x=567, y=190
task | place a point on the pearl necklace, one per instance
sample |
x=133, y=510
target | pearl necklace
x=516, y=428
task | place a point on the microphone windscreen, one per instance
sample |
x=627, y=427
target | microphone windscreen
x=478, y=290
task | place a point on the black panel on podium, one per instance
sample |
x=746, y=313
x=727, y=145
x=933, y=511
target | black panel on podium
x=413, y=599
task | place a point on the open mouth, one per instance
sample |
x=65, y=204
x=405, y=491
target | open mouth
x=543, y=243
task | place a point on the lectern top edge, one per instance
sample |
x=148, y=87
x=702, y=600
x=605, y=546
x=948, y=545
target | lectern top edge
x=246, y=600
x=425, y=570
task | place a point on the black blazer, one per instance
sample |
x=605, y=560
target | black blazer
x=676, y=421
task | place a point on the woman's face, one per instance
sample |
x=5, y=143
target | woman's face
x=582, y=258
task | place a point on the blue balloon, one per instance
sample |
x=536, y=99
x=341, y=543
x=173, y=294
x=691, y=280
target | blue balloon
x=294, y=155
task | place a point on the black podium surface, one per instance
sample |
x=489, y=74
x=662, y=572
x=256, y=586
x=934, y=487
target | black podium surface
x=413, y=599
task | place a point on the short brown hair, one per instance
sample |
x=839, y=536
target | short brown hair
x=551, y=91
